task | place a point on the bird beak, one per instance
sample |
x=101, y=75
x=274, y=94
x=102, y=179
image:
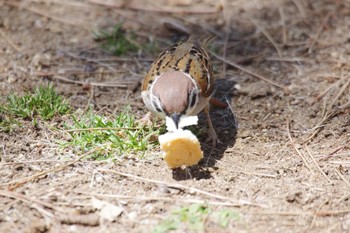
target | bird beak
x=176, y=118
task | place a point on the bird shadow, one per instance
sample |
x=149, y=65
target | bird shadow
x=225, y=124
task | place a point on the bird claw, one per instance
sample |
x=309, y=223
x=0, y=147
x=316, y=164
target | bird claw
x=213, y=138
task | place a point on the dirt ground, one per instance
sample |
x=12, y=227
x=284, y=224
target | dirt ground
x=284, y=162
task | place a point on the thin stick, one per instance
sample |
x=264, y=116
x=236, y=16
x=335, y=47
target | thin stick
x=321, y=95
x=96, y=84
x=269, y=37
x=249, y=72
x=289, y=59
x=257, y=174
x=316, y=164
x=19, y=182
x=179, y=186
x=340, y=93
x=158, y=198
x=296, y=149
x=315, y=216
x=327, y=117
x=32, y=161
x=172, y=10
x=332, y=212
x=4, y=156
x=227, y=16
x=342, y=177
x=67, y=3
x=333, y=152
x=2, y=33
x=319, y=31
x=45, y=213
x=50, y=16
x=224, y=54
x=283, y=23
x=283, y=213
x=317, y=213
x=341, y=162
x=233, y=113
x=88, y=59
x=29, y=200
x=300, y=7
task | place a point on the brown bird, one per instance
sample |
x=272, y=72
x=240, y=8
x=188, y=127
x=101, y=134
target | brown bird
x=180, y=83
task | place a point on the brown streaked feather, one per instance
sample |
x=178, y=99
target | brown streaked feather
x=188, y=57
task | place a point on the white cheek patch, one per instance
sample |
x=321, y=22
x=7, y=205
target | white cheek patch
x=184, y=121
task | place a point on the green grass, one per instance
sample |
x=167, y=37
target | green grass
x=114, y=137
x=8, y=125
x=192, y=218
x=44, y=102
x=119, y=42
x=110, y=137
x=115, y=41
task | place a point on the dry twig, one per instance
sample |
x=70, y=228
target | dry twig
x=17, y=183
x=96, y=84
x=163, y=9
x=298, y=150
x=3, y=35
x=29, y=200
x=300, y=7
x=269, y=37
x=321, y=95
x=318, y=213
x=50, y=15
x=327, y=116
x=316, y=164
x=343, y=178
x=249, y=72
x=319, y=31
x=183, y=187
x=99, y=62
x=159, y=198
x=283, y=24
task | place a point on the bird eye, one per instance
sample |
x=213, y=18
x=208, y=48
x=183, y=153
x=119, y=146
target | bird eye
x=155, y=104
x=193, y=98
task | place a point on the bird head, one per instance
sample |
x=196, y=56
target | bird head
x=174, y=94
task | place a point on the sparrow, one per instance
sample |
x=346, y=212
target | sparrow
x=179, y=83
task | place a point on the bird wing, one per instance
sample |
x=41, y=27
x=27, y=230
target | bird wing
x=188, y=57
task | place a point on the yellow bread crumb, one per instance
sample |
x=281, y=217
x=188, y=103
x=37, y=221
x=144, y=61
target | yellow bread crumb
x=180, y=148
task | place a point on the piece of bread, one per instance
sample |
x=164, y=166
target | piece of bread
x=180, y=148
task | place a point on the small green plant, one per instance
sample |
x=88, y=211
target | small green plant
x=223, y=217
x=151, y=47
x=7, y=124
x=115, y=41
x=193, y=217
x=113, y=137
x=44, y=102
